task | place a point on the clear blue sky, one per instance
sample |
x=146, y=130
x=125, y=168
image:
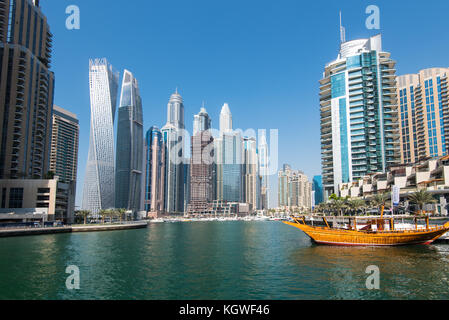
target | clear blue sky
x=264, y=58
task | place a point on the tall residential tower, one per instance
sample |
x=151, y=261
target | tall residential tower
x=423, y=108
x=99, y=181
x=173, y=137
x=359, y=127
x=129, y=155
x=64, y=145
x=26, y=90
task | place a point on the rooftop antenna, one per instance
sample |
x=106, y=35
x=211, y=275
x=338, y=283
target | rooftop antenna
x=342, y=31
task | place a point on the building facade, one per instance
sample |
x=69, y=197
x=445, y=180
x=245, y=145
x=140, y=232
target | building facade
x=99, y=181
x=155, y=171
x=228, y=160
x=264, y=174
x=431, y=175
x=201, y=165
x=359, y=119
x=53, y=198
x=423, y=110
x=129, y=155
x=250, y=174
x=173, y=138
x=64, y=145
x=318, y=189
x=26, y=90
x=294, y=190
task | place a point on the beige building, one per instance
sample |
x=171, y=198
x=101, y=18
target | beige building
x=423, y=114
x=64, y=144
x=431, y=175
x=53, y=197
x=26, y=90
x=294, y=190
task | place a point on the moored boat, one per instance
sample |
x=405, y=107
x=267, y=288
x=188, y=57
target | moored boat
x=375, y=232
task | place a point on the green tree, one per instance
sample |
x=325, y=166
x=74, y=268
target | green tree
x=103, y=213
x=83, y=214
x=380, y=201
x=355, y=205
x=338, y=205
x=421, y=198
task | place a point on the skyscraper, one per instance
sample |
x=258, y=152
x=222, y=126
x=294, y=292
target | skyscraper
x=155, y=171
x=64, y=145
x=294, y=189
x=359, y=127
x=201, y=165
x=318, y=188
x=228, y=159
x=201, y=121
x=175, y=111
x=99, y=181
x=173, y=137
x=26, y=90
x=264, y=173
x=423, y=103
x=250, y=172
x=129, y=166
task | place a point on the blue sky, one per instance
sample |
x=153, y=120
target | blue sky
x=264, y=58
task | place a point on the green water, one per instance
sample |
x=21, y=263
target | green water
x=213, y=260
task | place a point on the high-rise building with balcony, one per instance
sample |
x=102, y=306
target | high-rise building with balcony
x=250, y=173
x=423, y=114
x=359, y=119
x=173, y=138
x=129, y=154
x=201, y=165
x=64, y=145
x=155, y=171
x=294, y=189
x=99, y=180
x=228, y=160
x=264, y=173
x=26, y=90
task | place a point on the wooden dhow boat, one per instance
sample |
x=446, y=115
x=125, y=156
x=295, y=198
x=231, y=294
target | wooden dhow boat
x=374, y=232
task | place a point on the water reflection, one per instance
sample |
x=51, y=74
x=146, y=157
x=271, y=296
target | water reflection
x=215, y=261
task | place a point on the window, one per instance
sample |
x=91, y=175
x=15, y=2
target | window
x=16, y=198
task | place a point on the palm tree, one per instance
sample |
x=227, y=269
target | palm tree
x=337, y=204
x=121, y=213
x=103, y=213
x=380, y=201
x=421, y=198
x=355, y=205
x=83, y=214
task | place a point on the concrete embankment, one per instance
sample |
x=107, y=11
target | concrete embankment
x=96, y=228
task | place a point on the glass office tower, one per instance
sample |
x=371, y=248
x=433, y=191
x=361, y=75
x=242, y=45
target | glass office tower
x=129, y=165
x=228, y=155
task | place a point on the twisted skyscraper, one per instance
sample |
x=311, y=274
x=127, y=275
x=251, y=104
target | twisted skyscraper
x=99, y=181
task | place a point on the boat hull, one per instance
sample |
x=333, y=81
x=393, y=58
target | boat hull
x=337, y=237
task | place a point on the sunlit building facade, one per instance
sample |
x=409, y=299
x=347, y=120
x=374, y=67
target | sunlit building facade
x=64, y=145
x=423, y=111
x=155, y=171
x=173, y=138
x=359, y=118
x=26, y=90
x=99, y=181
x=129, y=156
x=228, y=159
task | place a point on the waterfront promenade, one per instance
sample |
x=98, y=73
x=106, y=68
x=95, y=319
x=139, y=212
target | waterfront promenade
x=19, y=232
